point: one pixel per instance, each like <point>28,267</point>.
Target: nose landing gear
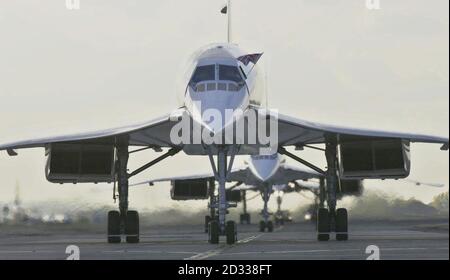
<point>265,223</point>
<point>219,226</point>
<point>245,216</point>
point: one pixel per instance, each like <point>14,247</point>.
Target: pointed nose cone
<point>216,110</point>
<point>263,168</point>
<point>217,113</point>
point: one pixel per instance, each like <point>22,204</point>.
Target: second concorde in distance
<point>223,90</point>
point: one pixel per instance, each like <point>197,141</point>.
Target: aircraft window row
<point>210,86</point>
<point>221,86</point>
<point>208,73</point>
<point>201,87</point>
<point>260,157</point>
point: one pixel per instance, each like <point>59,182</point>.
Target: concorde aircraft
<point>223,90</point>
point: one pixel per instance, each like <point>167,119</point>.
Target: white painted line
<point>143,252</point>
<point>327,251</point>
<point>147,252</point>
<point>16,252</point>
<point>401,249</point>
<point>212,253</point>
<point>207,254</point>
<point>290,252</point>
<point>248,239</point>
<point>181,252</point>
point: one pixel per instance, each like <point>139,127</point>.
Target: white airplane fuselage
<point>264,167</point>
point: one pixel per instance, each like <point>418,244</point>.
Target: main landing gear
<point>331,219</point>
<point>124,221</point>
<point>265,223</point>
<point>325,221</point>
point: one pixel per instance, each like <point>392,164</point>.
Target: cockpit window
<point>229,73</point>
<point>204,78</point>
<point>264,157</point>
<point>203,73</point>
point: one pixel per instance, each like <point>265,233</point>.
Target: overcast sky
<point>116,62</point>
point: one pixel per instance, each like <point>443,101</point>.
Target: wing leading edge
<point>297,132</point>
<point>291,132</point>
<point>151,133</point>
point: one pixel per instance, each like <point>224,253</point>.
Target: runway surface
<point>395,240</point>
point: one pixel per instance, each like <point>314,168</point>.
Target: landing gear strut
<point>265,223</point>
<point>331,219</point>
<point>212,210</point>
<point>123,221</point>
<point>245,216</point>
<point>328,219</point>
<point>279,219</point>
<point>221,226</point>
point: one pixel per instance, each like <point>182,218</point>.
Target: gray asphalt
<point>395,240</point>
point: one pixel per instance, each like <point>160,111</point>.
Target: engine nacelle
<point>189,189</point>
<point>80,163</point>
<point>351,188</point>
<point>233,195</point>
<point>374,159</point>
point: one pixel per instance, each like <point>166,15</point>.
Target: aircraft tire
<point>114,227</point>
<point>341,224</point>
<point>213,232</point>
<point>132,227</point>
<point>270,226</point>
<point>247,218</point>
<point>262,226</point>
<point>207,220</point>
<point>231,232</point>
<point>323,224</point>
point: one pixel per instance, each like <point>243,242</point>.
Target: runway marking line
<point>146,252</point>
<point>16,252</point>
<point>248,239</point>
<point>327,250</point>
<point>221,249</point>
<point>207,254</point>
<point>26,251</point>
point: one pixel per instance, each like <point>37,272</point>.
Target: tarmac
<point>402,240</point>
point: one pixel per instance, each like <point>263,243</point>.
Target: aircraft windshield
<point>204,73</point>
<point>229,73</point>
<point>204,78</point>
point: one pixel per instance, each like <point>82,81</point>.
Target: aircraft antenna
<point>266,85</point>
<point>227,10</point>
